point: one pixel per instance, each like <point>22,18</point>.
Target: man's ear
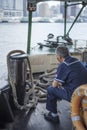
<point>61,57</point>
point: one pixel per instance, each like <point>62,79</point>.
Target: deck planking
<point>34,120</point>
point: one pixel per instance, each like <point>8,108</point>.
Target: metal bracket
<point>31,5</point>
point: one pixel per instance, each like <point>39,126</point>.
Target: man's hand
<point>56,84</point>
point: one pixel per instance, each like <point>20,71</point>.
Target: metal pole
<point>29,31</point>
<point>65,17</point>
<point>75,19</point>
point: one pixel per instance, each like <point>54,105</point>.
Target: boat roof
<point>63,0</point>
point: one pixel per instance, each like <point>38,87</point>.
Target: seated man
<point>70,75</point>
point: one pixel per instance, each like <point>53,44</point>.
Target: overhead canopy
<point>62,0</point>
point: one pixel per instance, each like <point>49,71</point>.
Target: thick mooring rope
<point>43,82</point>
<point>39,86</point>
<point>27,105</point>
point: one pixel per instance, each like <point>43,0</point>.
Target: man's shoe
<point>49,117</point>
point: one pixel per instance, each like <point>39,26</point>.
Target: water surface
<point>14,36</point>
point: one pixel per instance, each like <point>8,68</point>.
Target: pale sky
<point>53,3</point>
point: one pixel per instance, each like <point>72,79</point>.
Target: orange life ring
<point>79,105</point>
<point>84,110</point>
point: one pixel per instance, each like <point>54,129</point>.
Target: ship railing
<point>80,44</point>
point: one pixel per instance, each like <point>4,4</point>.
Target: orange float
<point>79,107</point>
<point>84,110</point>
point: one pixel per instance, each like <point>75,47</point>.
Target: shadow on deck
<point>34,120</point>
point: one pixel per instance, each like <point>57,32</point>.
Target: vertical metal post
<point>65,17</point>
<point>29,31</point>
<point>76,19</point>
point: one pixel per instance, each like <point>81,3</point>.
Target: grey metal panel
<point>62,0</point>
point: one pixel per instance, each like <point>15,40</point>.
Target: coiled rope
<point>27,105</point>
<point>39,86</point>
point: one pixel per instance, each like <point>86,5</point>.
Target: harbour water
<point>14,36</point>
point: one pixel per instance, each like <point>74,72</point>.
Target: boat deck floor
<point>34,120</point>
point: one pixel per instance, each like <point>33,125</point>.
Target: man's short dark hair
<point>62,51</point>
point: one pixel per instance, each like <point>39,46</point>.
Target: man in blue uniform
<point>70,75</point>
